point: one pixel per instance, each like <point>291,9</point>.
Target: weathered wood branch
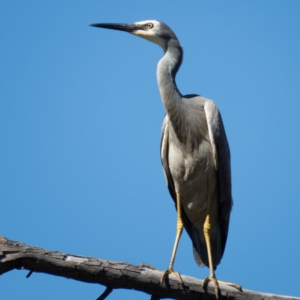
<point>16,255</point>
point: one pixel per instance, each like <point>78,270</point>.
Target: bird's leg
<point>212,277</point>
<point>179,229</point>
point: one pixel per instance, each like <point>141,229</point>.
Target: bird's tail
<point>200,249</point>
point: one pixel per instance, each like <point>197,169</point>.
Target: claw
<point>216,283</point>
<point>234,285</point>
<point>169,271</point>
<point>143,265</point>
<point>165,273</point>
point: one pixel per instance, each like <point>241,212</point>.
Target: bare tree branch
<point>112,274</point>
<point>105,294</point>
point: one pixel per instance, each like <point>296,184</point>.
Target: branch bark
<point>112,274</point>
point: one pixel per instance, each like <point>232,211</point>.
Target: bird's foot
<point>166,272</point>
<point>143,265</point>
<point>216,283</point>
<point>170,271</point>
<point>234,285</point>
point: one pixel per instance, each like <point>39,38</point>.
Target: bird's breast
<point>194,175</point>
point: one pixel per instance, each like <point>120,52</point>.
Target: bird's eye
<point>149,25</point>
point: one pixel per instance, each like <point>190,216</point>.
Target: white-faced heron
<point>195,155</point>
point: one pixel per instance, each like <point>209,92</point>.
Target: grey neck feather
<point>171,97</point>
<point>185,123</point>
<point>166,72</point>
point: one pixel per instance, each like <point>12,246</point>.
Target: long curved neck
<point>166,72</point>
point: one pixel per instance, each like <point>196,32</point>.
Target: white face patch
<point>154,22</point>
<point>148,33</point>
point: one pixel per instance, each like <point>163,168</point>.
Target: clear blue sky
<point>80,120</point>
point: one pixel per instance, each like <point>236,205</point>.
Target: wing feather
<point>222,163</point>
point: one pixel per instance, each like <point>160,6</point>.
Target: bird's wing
<point>222,162</point>
<point>164,152</point>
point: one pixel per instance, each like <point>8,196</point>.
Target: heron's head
<point>151,30</point>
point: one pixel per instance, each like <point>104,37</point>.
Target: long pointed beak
<point>122,27</point>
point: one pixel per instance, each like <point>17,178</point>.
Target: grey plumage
<point>194,152</point>
<point>197,178</point>
<point>193,135</point>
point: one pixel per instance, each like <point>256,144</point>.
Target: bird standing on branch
<point>195,156</point>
